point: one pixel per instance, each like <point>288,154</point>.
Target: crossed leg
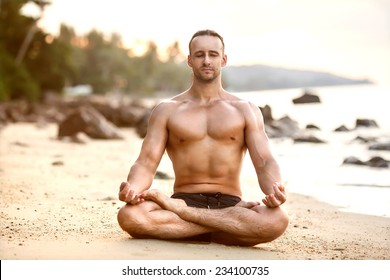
<point>245,224</point>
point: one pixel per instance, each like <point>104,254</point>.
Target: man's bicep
<point>155,140</point>
<point>259,148</point>
<point>254,130</point>
<point>256,138</point>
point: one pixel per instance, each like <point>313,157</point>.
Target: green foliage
<point>105,64</point>
<point>49,63</point>
<point>21,76</point>
<point>15,81</point>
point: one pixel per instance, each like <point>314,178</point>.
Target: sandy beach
<point>59,201</point>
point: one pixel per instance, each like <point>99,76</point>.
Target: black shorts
<point>208,200</point>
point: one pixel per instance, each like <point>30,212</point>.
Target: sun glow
<point>348,38</point>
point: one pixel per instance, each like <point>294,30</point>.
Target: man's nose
<point>206,60</point>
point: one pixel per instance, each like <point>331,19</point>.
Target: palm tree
<point>30,34</point>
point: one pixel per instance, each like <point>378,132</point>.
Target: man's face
<point>206,57</point>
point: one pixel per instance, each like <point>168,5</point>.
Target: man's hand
<point>277,198</point>
<point>126,194</point>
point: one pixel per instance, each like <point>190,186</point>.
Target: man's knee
<point>132,220</point>
<point>273,226</point>
<point>282,222</point>
<point>278,224</point>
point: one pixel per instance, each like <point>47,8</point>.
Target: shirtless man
<point>206,132</point>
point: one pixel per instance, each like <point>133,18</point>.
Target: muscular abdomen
<point>206,146</point>
<point>207,165</point>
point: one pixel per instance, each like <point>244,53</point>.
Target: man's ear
<point>189,62</point>
<point>224,60</point>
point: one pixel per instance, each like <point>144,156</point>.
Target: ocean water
<point>316,169</point>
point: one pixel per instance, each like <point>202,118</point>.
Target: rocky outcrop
<point>312,126</point>
<point>307,97</point>
<point>89,121</point>
<point>385,146</point>
<point>376,161</point>
<point>342,128</point>
<point>266,111</point>
<point>308,139</point>
<point>284,127</point>
<point>366,123</point>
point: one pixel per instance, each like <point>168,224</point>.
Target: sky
<point>350,38</point>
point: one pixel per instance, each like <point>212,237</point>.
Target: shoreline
<point>59,202</point>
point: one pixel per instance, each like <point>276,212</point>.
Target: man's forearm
<point>268,175</point>
<point>140,177</point>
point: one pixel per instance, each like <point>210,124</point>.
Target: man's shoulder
<point>240,103</point>
<point>248,109</point>
<point>167,106</point>
<point>169,103</point>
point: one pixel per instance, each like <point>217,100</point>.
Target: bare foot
<point>164,201</point>
<point>247,204</point>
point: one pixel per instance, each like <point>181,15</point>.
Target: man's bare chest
<point>198,122</point>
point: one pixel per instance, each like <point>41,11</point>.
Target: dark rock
<point>110,112</point>
<point>284,127</point>
<point>161,175</point>
<point>108,198</point>
<point>312,126</point>
<point>266,111</point>
<point>131,115</point>
<point>307,139</point>
<point>353,160</point>
<point>378,162</point>
<point>380,146</point>
<point>366,123</point>
<point>342,128</point>
<point>364,139</point>
<point>307,97</point>
<point>91,122</point>
<point>122,116</point>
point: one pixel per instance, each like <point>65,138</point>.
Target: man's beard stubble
<point>206,78</point>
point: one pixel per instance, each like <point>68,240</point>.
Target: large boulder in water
<point>284,127</point>
<point>308,139</point>
<point>385,146</point>
<point>307,97</point>
<point>266,111</point>
<point>376,161</point>
<point>366,123</point>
